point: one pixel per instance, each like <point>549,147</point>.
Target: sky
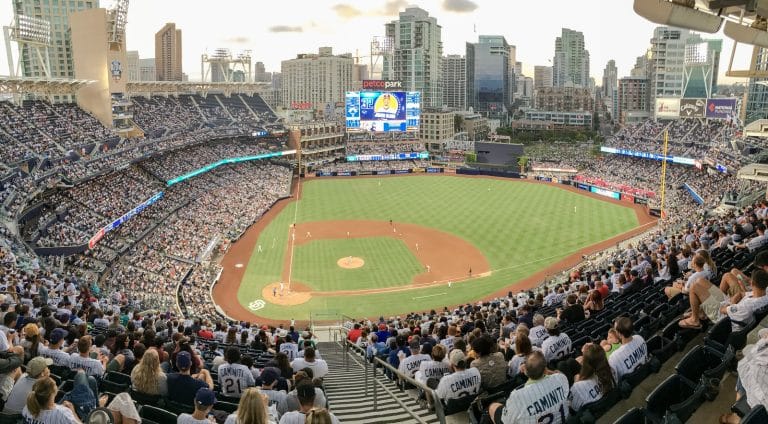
<point>278,30</point>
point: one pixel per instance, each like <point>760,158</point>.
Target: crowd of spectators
<point>383,148</point>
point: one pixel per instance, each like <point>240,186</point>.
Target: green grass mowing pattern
<point>520,227</point>
<point>388,263</point>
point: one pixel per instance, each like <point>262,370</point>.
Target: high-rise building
<point>666,57</point>
<point>60,51</point>
<point>168,53</point>
<point>132,65</point>
<point>564,99</point>
<point>260,73</point>
<point>455,82</point>
<point>632,99</point>
<point>610,82</point>
<point>416,55</point>
<point>700,67</point>
<point>488,76</point>
<point>542,76</point>
<point>147,69</point>
<point>570,66</point>
<point>756,102</point>
<point>315,80</point>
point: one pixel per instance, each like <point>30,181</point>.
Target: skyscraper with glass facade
<point>488,76</point>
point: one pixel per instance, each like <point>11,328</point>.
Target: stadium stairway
<point>345,389</point>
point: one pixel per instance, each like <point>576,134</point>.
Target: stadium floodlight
<point>31,30</point>
<point>678,13</point>
<point>118,17</point>
<point>755,35</point>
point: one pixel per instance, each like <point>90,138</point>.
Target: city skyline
<point>303,26</point>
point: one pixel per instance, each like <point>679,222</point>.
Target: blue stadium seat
<point>676,396</point>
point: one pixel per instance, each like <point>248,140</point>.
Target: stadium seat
<point>228,407</point>
<point>6,418</point>
<point>590,412</point>
<point>144,398</point>
<point>661,348</point>
<point>157,415</point>
<point>756,415</point>
<point>704,362</point>
<point>177,407</point>
<point>628,382</point>
<point>633,416</point>
<point>677,396</point>
<point>717,335</point>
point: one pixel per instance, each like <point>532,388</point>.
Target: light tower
<point>224,65</point>
<point>32,35</point>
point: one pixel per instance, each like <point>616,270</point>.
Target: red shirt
<point>354,334</point>
<point>206,334</point>
<point>604,292</point>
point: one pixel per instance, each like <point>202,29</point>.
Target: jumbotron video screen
<point>383,111</point>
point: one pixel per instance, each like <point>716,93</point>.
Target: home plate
<point>238,265</point>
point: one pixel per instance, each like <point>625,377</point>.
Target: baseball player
<point>234,377</point>
<point>557,345</point>
<point>633,351</point>
<point>259,249</point>
<point>462,382</point>
<point>543,399</point>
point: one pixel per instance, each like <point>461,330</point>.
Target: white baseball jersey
<point>753,373</point>
<point>234,379</point>
<point>541,401</point>
<point>92,367</point>
<point>59,357</point>
<point>410,365</point>
<point>58,415</point>
<point>459,384</point>
<point>291,350</point>
<point>537,335</point>
<point>432,369</point>
<point>628,357</point>
<point>584,392</point>
<point>556,347</point>
<point>744,311</point>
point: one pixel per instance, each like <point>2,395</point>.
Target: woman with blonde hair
<point>147,377</point>
<point>252,409</point>
<point>41,406</point>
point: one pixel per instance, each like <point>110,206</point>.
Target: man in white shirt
<point>53,351</point>
<point>318,366</point>
<point>234,377</point>
<point>558,345</point>
<point>543,399</point>
<point>633,351</point>
<point>538,333</point>
<point>37,368</point>
<point>290,348</point>
<point>82,359</point>
<point>461,382</point>
<point>744,311</point>
<point>204,400</point>
<point>410,365</point>
<point>305,391</point>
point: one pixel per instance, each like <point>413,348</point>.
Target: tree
<point>470,157</point>
<point>522,161</point>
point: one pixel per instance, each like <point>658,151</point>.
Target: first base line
<point>429,295</point>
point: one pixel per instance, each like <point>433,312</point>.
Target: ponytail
<point>38,398</point>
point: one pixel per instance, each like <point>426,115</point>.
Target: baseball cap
<point>37,365</point>
<point>457,356</point>
<point>183,360</point>
<point>205,397</point>
<point>58,334</point>
<point>550,323</point>
<point>269,375</point>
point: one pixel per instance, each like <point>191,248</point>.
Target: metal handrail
<point>436,401</point>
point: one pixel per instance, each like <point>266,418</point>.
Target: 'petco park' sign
<point>382,85</point>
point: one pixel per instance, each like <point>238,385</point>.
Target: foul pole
<point>664,173</point>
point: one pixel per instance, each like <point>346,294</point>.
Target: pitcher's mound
<point>350,262</point>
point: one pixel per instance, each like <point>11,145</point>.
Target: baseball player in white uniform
<point>633,351</point>
<point>557,345</point>
<point>543,399</point>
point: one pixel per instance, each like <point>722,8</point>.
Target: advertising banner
<point>692,108</point>
<point>721,108</point>
<point>382,85</point>
<point>667,107</point>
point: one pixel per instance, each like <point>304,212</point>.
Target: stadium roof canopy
<point>189,87</point>
<point>41,86</point>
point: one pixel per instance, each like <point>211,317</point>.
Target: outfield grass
<point>520,227</point>
<point>388,263</point>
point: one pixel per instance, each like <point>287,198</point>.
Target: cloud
<point>237,40</point>
<point>459,6</point>
<point>285,28</point>
<point>393,7</point>
<point>346,11</point>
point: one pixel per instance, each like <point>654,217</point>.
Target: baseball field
<point>387,246</point>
